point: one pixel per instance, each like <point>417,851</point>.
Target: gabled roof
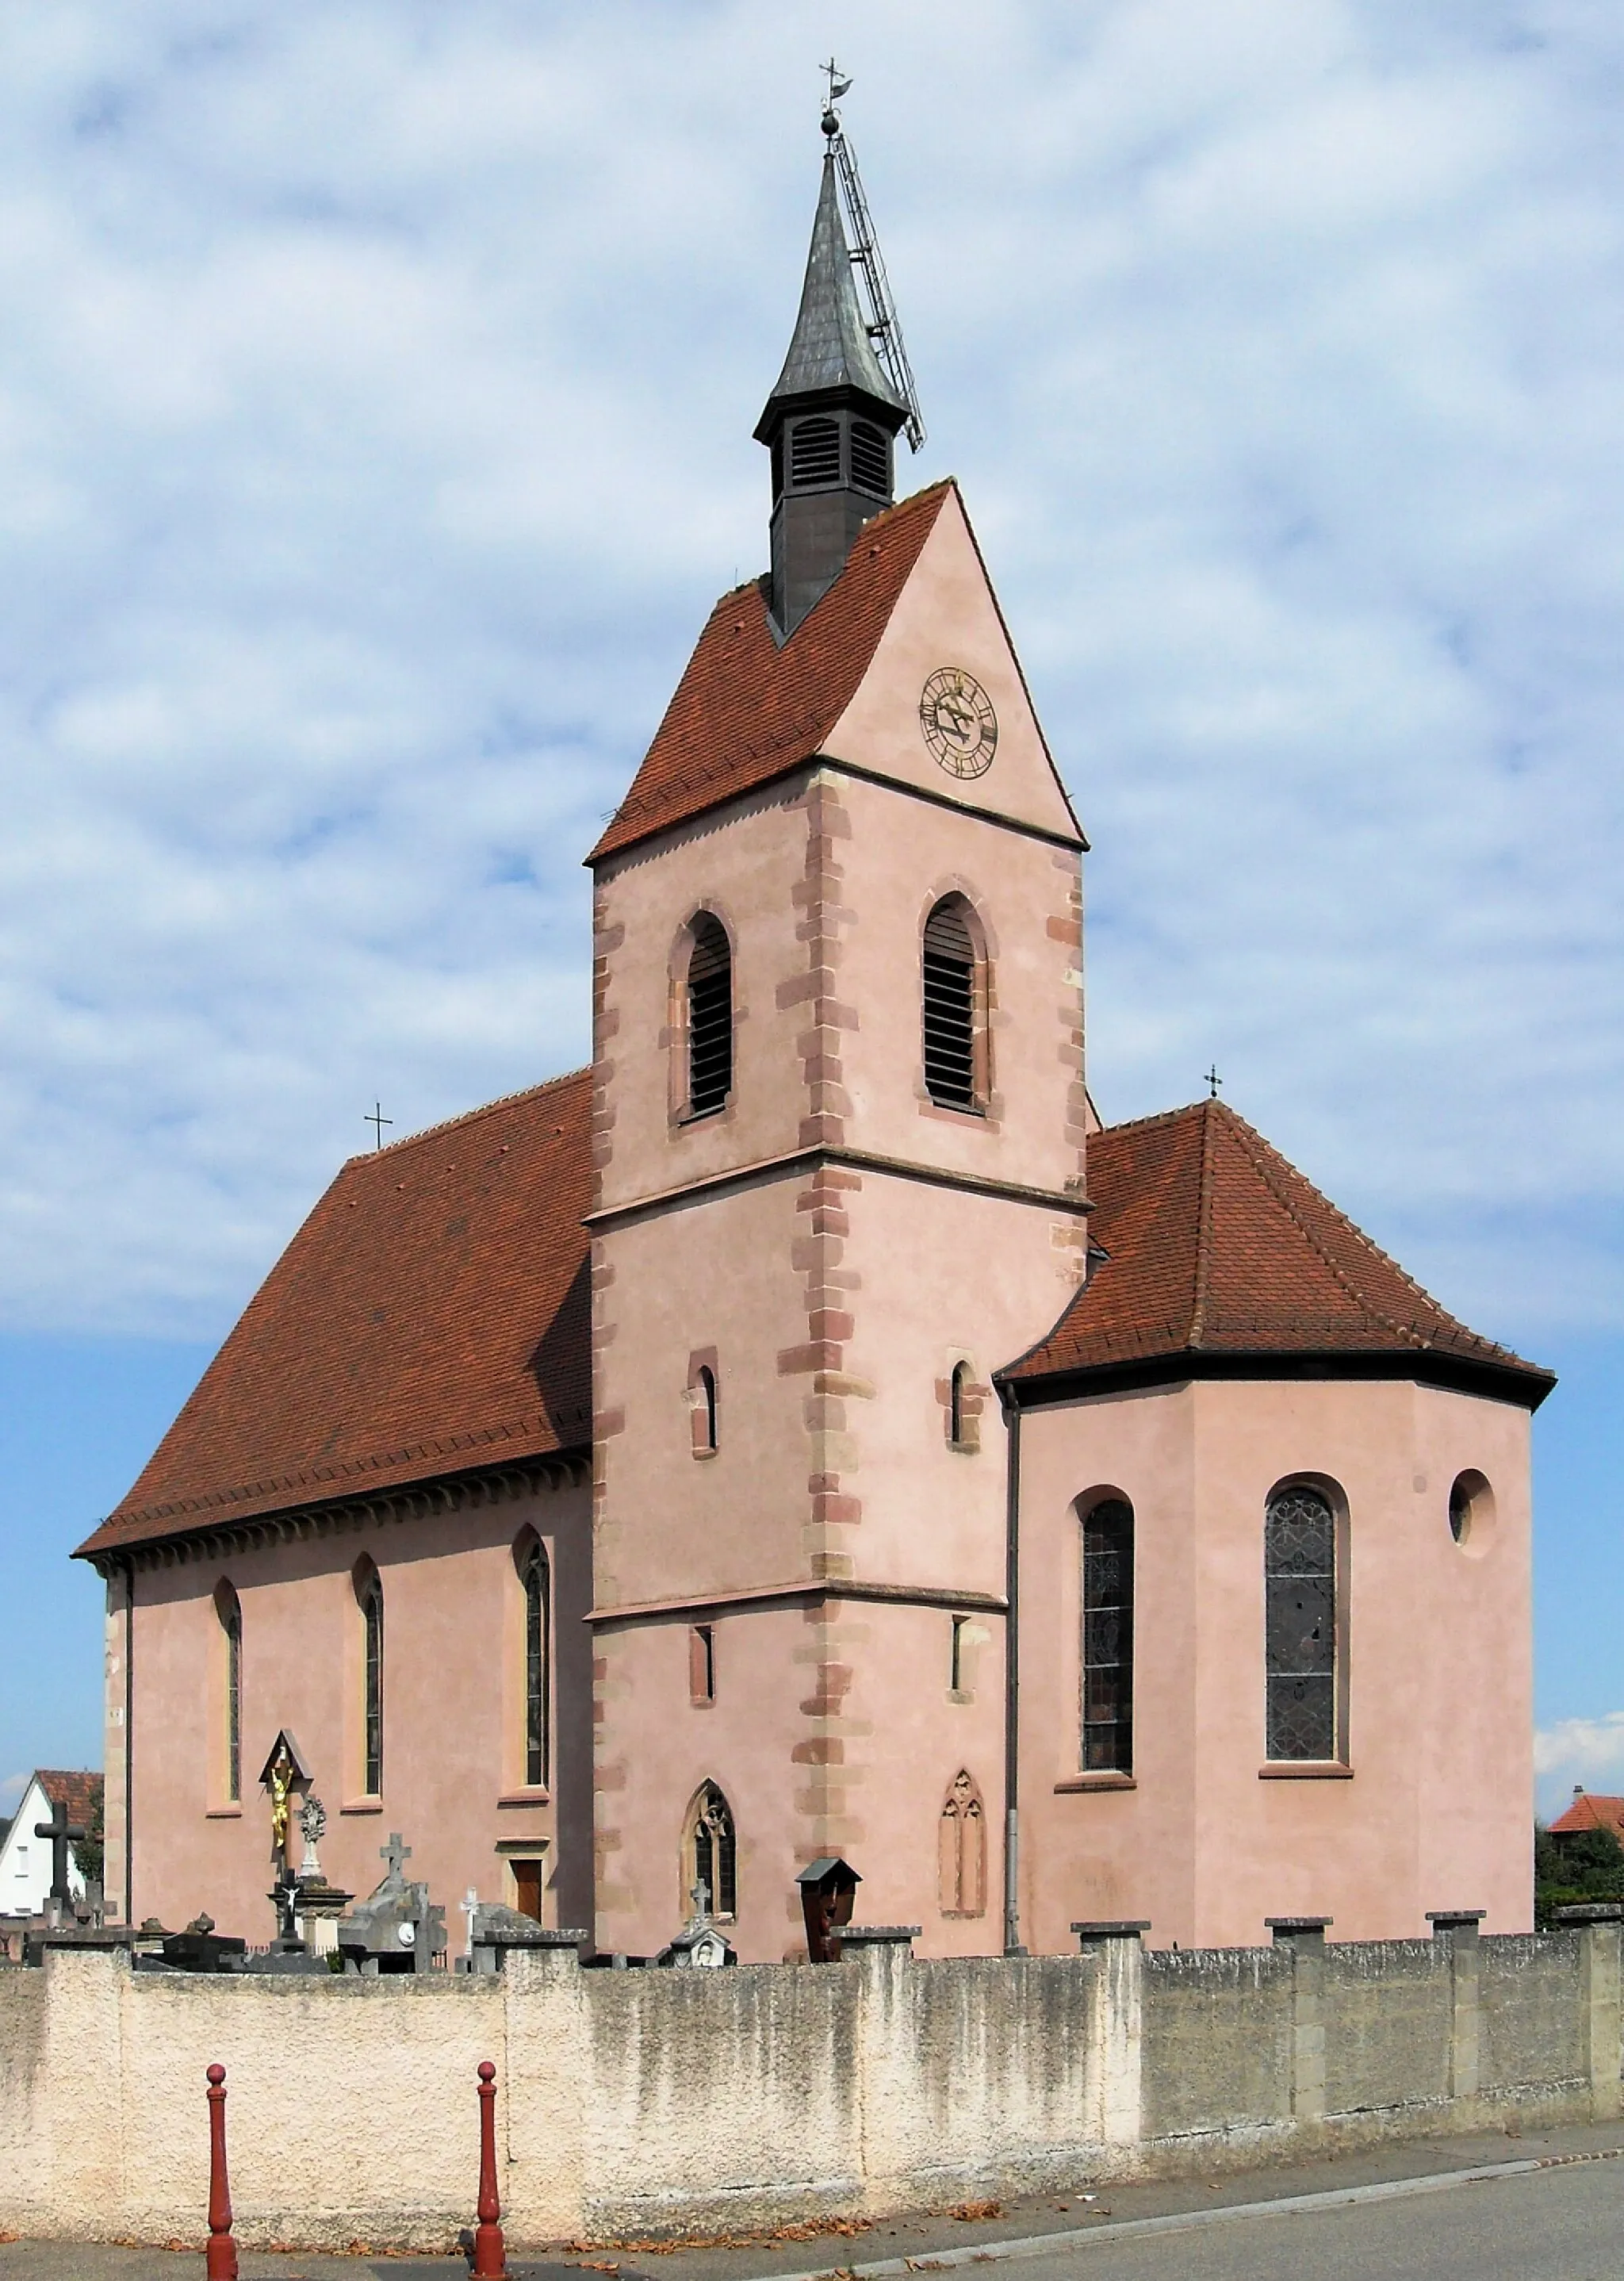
<point>80,1791</point>
<point>830,347</point>
<point>1215,1247</point>
<point>747,708</point>
<point>431,1316</point>
<point>1590,1812</point>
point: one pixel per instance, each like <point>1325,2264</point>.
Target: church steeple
<point>830,421</point>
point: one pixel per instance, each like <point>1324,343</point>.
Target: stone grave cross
<point>61,1832</point>
<point>699,1894</point>
<point>395,1853</point>
<point>470,1905</point>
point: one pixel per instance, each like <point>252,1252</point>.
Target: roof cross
<point>61,1832</point>
<point>377,1120</point>
<point>395,1853</point>
<point>837,85</point>
<point>1212,1081</point>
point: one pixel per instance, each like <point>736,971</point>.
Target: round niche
<point>1472,1513</point>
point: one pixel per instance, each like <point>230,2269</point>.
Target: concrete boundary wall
<point>657,2103</point>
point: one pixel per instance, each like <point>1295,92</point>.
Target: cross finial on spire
<point>838,87</point>
<point>1213,1082</point>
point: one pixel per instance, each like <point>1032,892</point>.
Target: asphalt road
<point>1389,2212</point>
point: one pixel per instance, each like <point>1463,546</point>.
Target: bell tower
<point>830,421</point>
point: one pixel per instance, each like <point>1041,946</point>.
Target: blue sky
<point>375,390</point>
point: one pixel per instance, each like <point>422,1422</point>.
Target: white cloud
<point>1573,1753</point>
<point>375,403</point>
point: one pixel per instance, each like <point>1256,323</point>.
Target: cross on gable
<point>61,1832</point>
<point>395,1853</point>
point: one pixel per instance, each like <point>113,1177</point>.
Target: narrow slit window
<point>710,1018</point>
<point>1107,1638</point>
<point>707,1407</point>
<point>702,1664</point>
<point>1300,1553</point>
<point>955,1663</point>
<point>372,1622</point>
<point>537,1657</point>
<point>231,1625</point>
<point>949,964</point>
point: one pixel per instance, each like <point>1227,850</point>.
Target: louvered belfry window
<point>949,1008</point>
<point>1107,1638</point>
<point>1300,1539</point>
<point>871,459</point>
<point>815,454</point>
<point>710,1018</point>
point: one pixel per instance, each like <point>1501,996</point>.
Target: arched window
<point>710,1853</point>
<point>710,1017</point>
<point>369,1597</point>
<point>949,966</point>
<point>1300,1646</point>
<point>230,1612</point>
<point>1107,1637</point>
<point>536,1576</point>
<point>961,1855</point>
<point>963,1409</point>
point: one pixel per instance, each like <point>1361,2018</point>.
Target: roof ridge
<point>467,1117</point>
<point>1203,1229</point>
<point>1152,1116</point>
<point>1351,1227</point>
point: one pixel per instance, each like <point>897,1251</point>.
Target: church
<point>807,1432</point>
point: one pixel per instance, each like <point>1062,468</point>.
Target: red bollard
<point>489,2251</point>
<point>220,2264</point>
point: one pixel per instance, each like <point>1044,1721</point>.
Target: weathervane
<point>881,319</point>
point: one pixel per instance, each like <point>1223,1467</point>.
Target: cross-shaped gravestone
<point>61,1832</point>
<point>699,1894</point>
<point>470,1908</point>
<point>395,1853</point>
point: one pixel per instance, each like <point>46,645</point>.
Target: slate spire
<point>830,423</point>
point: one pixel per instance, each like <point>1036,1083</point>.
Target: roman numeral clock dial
<point>959,724</point>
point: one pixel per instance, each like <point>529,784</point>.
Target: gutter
<point>1012,1674</point>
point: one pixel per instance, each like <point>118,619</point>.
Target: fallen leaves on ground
<point>973,2213</point>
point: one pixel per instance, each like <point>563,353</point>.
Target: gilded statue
<point>281,1787</point>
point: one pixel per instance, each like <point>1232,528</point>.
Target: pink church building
<point>807,1432</point>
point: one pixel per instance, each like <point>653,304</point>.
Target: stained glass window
<point>1301,1625</point>
<point>1107,1637</point>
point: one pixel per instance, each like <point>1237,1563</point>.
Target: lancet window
<point>369,1592</point>
<point>536,1576</point>
<point>709,1016</point>
<point>960,1858</point>
<point>231,1611</point>
<point>950,995</point>
<point>710,1855</point>
<point>1301,1641</point>
<point>1107,1637</point>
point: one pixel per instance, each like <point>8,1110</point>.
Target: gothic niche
<point>961,1855</point>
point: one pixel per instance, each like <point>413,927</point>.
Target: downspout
<point>1012,1674</point>
<point>129,1740</point>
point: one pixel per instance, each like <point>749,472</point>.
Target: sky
<point>375,394</point>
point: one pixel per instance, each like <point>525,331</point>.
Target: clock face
<point>959,724</point>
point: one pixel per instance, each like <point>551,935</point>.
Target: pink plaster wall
<point>452,1713</point>
<point>1436,1814</point>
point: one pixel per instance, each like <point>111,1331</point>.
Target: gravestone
<point>397,1927</point>
<point>699,1945</point>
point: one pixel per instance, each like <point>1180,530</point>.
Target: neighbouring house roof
<point>749,707</point>
<point>80,1792</point>
<point>431,1316</point>
<point>1215,1248</point>
<point>1590,1812</point>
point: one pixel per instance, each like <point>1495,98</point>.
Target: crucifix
<point>395,1853</point>
<point>1213,1082</point>
<point>61,1832</point>
<point>377,1120</point>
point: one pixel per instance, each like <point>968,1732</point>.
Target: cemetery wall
<point>647,2103</point>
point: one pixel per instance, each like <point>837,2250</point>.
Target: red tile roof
<point>1589,1811</point>
<point>1215,1245</point>
<point>431,1316</point>
<point>747,709</point>
<point>79,1793</point>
